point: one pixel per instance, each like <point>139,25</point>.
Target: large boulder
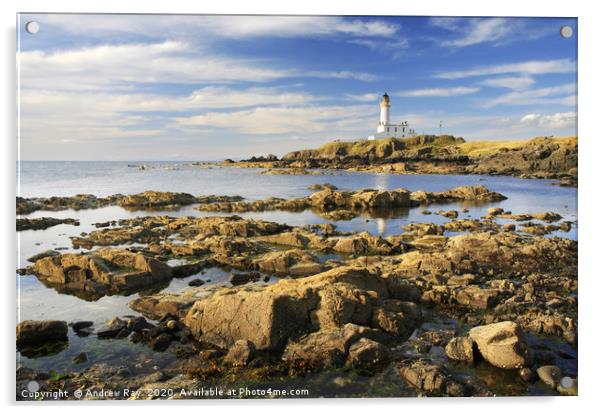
<point>502,344</point>
<point>34,332</point>
<point>269,315</point>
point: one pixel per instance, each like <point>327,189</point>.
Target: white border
<point>589,185</point>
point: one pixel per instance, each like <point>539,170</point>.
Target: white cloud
<point>533,67</point>
<point>475,31</point>
<point>220,26</point>
<point>366,97</point>
<point>517,82</point>
<point>281,120</point>
<point>560,95</point>
<point>494,30</point>
<point>118,66</point>
<point>438,92</point>
<point>561,120</point>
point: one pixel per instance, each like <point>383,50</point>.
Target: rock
<point>196,282</point>
<point>268,315</point>
<point>81,325</point>
<point>116,323</point>
<point>322,187</point>
<point>110,333</point>
<point>34,332</point>
<point>397,318</point>
<point>139,324</point>
<point>549,375</point>
<point>502,344</point>
<point>161,342</point>
<point>240,354</point>
<point>295,263</point>
<point>449,214</point>
<point>42,255</point>
<point>102,270</point>
<point>42,223</point>
<point>430,378</point>
<point>328,347</point>
<point>460,349</point>
<point>477,297</point>
<point>80,358</point>
<point>155,199</point>
<point>527,374</point>
<point>238,279</point>
<point>366,353</point>
<point>495,211</point>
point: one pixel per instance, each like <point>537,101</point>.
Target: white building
<point>387,130</point>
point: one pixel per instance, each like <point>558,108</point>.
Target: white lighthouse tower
<point>385,104</point>
<point>387,130</point>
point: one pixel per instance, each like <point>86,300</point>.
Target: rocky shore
<point>470,307</point>
<point>554,158</point>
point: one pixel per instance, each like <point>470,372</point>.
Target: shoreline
<point>402,301</point>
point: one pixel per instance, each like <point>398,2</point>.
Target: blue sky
<point>151,87</point>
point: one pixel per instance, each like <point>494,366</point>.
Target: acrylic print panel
<point>296,206</point>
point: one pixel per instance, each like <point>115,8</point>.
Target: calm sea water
<point>44,179</point>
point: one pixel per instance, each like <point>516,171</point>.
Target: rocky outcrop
<point>77,202</point>
<point>538,158</point>
<point>289,308</point>
<point>476,193</point>
<point>102,271</point>
<point>154,199</point>
<point>42,223</point>
<point>35,332</point>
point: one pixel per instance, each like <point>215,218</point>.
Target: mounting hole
<point>566,32</point>
<point>32,27</point>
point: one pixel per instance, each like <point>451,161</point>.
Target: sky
<point>173,87</point>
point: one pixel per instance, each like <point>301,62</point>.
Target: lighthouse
<point>385,128</point>
<point>385,104</point>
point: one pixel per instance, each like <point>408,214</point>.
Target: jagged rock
<point>33,332</point>
<point>41,223</point>
<point>366,353</point>
<point>329,347</point>
<point>477,297</point>
<point>502,344</point>
<point>460,349</point>
<point>431,379</point>
<point>42,255</point>
<point>241,278</point>
<point>397,318</point>
<point>81,325</point>
<point>105,269</point>
<point>156,199</point>
<point>286,309</point>
<point>240,354</point>
<point>293,262</point>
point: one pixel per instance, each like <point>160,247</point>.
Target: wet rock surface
<point>302,302</point>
